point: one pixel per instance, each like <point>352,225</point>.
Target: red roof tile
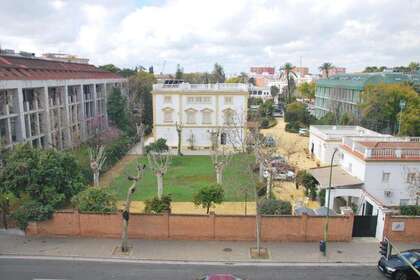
<point>391,145</point>
<point>21,68</point>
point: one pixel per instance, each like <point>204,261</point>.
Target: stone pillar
<point>83,115</point>
<point>68,138</point>
<point>21,132</point>
<point>47,123</point>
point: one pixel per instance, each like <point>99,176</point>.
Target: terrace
<point>201,87</point>
<point>383,148</point>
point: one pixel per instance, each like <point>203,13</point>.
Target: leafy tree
<point>307,90</point>
<point>110,68</point>
<point>275,207</point>
<point>140,97</point>
<point>414,66</point>
<point>347,119</point>
<point>326,68</point>
<point>179,72</point>
<point>117,109</point>
<point>380,109</point>
<point>97,200</point>
<point>233,80</point>
<point>298,113</point>
<point>288,73</point>
<point>329,118</point>
<point>208,196</point>
<point>266,109</point>
<point>196,78</point>
<point>410,210</point>
<point>373,69</point>
<point>252,81</point>
<point>157,205</point>
<point>158,146</point>
<point>274,91</point>
<point>322,196</point>
<point>47,176</point>
<point>218,74</point>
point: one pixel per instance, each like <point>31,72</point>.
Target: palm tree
<point>288,73</point>
<point>326,67</point>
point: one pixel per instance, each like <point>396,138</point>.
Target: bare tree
<point>159,163</point>
<point>140,133</point>
<point>97,158</point>
<point>126,213</point>
<point>179,126</point>
<point>220,155</point>
<point>237,134</point>
<point>264,154</point>
<point>191,140</point>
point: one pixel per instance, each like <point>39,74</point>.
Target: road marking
<point>46,279</point>
<point>176,262</point>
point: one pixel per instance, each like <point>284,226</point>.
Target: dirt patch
<point>115,171</point>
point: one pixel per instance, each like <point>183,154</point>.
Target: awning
<point>340,177</point>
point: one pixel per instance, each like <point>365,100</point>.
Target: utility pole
<point>328,204</point>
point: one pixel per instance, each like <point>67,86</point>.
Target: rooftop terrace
<point>383,148</point>
<point>337,132</point>
<point>201,87</point>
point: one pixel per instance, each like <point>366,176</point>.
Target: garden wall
<point>197,227</point>
<point>402,228</point>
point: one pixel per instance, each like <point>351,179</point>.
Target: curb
<point>183,262</point>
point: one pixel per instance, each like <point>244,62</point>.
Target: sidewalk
<point>359,251</point>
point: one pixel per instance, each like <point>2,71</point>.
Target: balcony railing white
<point>202,87</point>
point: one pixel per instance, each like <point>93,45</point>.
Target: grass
<point>185,176</point>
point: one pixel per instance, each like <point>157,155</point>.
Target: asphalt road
<point>30,269</point>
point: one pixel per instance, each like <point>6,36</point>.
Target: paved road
<point>29,269</point>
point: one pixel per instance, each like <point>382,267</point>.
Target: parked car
<point>220,277</point>
<point>277,113</point>
<point>303,132</point>
<point>397,269</point>
<point>269,141</point>
<point>278,159</point>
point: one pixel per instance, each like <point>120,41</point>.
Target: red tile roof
<point>22,68</point>
<point>390,145</point>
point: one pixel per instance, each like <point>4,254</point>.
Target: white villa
<point>260,92</point>
<point>323,139</point>
<point>200,109</point>
<point>375,175</point>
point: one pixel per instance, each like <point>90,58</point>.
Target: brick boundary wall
<point>194,227</point>
<point>410,233</point>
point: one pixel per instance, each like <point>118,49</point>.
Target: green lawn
<point>186,175</point>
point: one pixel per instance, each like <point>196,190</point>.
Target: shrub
<point>95,200</point>
<point>265,123</point>
<point>275,207</point>
<point>209,196</point>
<point>158,146</point>
<point>31,211</point>
<point>410,210</point>
<point>157,205</point>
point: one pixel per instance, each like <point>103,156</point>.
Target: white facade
<point>323,139</point>
<point>263,93</point>
<point>200,109</point>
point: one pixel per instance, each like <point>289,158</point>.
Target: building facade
<point>323,139</point>
<point>375,176</point>
<point>333,71</point>
<point>200,109</point>
<point>263,93</point>
<point>341,93</point>
<point>52,104</point>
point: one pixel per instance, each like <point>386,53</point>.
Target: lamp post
<point>402,106</point>
<point>328,204</point>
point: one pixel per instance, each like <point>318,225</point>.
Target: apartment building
<point>200,108</point>
<point>341,93</point>
<point>51,103</point>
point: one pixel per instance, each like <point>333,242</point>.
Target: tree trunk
<point>141,150</point>
<point>208,208</point>
<point>159,178</point>
<point>126,214</point>
<point>96,178</point>
<point>179,142</point>
<point>268,191</point>
<point>261,175</point>
<point>219,175</point>
<point>258,230</point>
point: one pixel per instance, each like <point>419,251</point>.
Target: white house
<point>323,139</point>
<point>200,108</point>
<point>375,175</point>
<point>263,93</point>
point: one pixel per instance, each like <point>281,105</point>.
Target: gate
<point>364,226</point>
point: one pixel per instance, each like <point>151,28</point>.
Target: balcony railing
<point>202,87</point>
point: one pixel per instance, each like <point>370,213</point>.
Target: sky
<point>235,33</point>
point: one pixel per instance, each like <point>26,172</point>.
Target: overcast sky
<point>236,33</point>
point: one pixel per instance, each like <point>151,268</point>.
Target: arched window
<point>228,116</point>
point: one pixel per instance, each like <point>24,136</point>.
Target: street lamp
<point>402,106</point>
<point>328,205</point>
